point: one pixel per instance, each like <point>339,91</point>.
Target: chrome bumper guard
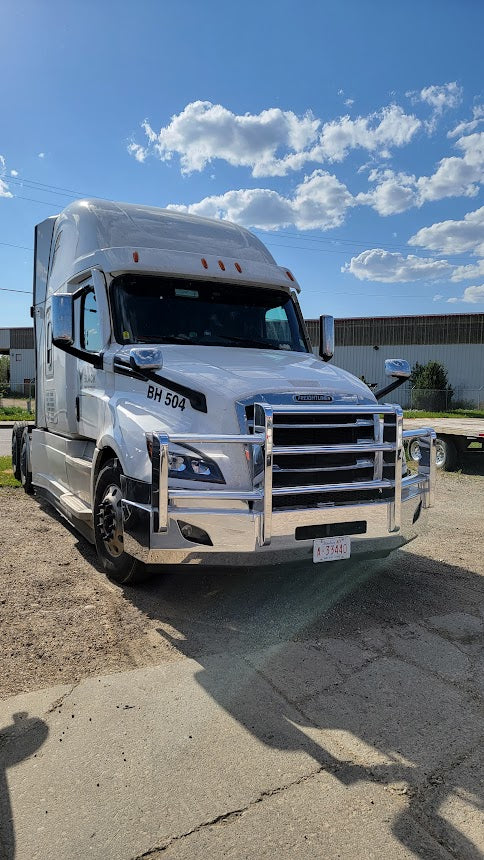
<point>422,483</point>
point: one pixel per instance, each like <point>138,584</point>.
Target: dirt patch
<point>61,619</point>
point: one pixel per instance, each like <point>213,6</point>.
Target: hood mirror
<point>398,368</point>
<point>62,320</point>
<point>146,358</point>
<point>326,337</point>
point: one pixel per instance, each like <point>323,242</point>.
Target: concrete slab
<point>130,760</point>
<point>385,717</point>
<point>318,818</point>
<point>431,652</point>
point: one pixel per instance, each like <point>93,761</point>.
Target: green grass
<point>457,413</point>
<point>6,476</point>
<point>15,413</point>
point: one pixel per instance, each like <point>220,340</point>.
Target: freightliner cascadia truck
<point>181,414</point>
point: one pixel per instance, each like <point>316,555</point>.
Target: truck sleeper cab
<point>181,415</point>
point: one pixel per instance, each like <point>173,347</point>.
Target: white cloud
<point>454,237</point>
<point>464,127</point>
<point>437,298</point>
<point>439,98</point>
<point>273,142</point>
<point>319,202</point>
<point>391,268</point>
<point>394,192</point>
<point>455,176</point>
<point>41,154</point>
<point>204,131</point>
<point>139,152</point>
<point>349,102</point>
<point>471,295</point>
<point>14,173</point>
<point>442,97</point>
<point>4,192</point>
<point>465,273</point>
<point>390,126</point>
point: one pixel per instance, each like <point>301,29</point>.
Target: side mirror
<point>398,368</point>
<point>326,337</point>
<point>146,358</point>
<point>62,320</point>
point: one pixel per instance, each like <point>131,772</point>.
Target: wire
<point>10,290</point>
<point>11,245</point>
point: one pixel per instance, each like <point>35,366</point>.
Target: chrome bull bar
<point>263,436</point>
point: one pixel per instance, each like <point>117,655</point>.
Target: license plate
<point>331,549</point>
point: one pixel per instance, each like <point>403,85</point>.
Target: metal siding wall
<point>23,369</point>
<point>22,338</point>
<point>4,338</point>
<point>464,362</point>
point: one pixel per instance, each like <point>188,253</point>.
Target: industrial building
<point>18,343</point>
<point>454,340</point>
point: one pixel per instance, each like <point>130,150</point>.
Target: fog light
<point>194,534</point>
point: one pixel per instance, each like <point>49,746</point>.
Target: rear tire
<point>446,454</point>
<point>108,528</point>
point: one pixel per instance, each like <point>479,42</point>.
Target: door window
<point>91,335</point>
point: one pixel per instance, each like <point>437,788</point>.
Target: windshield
<point>151,309</point>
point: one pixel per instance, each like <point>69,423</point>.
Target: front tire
<point>108,528</point>
<point>25,473</point>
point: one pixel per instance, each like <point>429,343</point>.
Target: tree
<point>431,389</point>
<point>4,369</point>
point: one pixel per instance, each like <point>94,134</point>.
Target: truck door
<point>93,337</point>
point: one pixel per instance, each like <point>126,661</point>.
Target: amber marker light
<point>135,256</point>
<point>222,266</point>
<point>238,267</point>
<point>204,263</point>
<point>289,275</point>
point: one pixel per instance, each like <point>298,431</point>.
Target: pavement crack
<point>226,817</point>
<point>61,699</point>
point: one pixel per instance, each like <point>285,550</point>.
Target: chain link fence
<point>18,395</point>
<point>432,400</point>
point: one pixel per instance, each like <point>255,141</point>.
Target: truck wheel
<point>108,528</point>
<point>413,450</point>
<point>25,474</point>
<point>18,429</point>
<point>446,456</point>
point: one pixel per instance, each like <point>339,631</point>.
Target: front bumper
<point>242,525</point>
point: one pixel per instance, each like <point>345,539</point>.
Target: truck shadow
<point>340,663</point>
<point>18,741</point>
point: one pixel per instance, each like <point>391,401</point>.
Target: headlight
<point>193,468</point>
<point>190,467</point>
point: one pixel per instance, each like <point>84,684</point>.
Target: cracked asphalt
<point>308,711</point>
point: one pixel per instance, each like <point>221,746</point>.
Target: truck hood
<point>238,373</point>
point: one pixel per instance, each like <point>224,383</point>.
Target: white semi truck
<point>181,416</point>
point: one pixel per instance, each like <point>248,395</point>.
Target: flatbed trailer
<point>454,436</point>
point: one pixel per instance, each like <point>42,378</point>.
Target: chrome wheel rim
<point>414,450</point>
<point>110,521</point>
<point>439,454</point>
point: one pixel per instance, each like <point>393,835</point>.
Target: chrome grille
<point>299,464</point>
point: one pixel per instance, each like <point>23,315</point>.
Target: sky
<point>348,135</point>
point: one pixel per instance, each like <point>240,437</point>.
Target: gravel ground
<point>62,620</point>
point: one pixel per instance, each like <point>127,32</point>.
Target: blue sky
<point>349,135</point>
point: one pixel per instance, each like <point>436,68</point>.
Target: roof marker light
<point>204,263</point>
<point>222,265</point>
<point>238,267</point>
<point>135,256</point>
<point>289,275</point>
